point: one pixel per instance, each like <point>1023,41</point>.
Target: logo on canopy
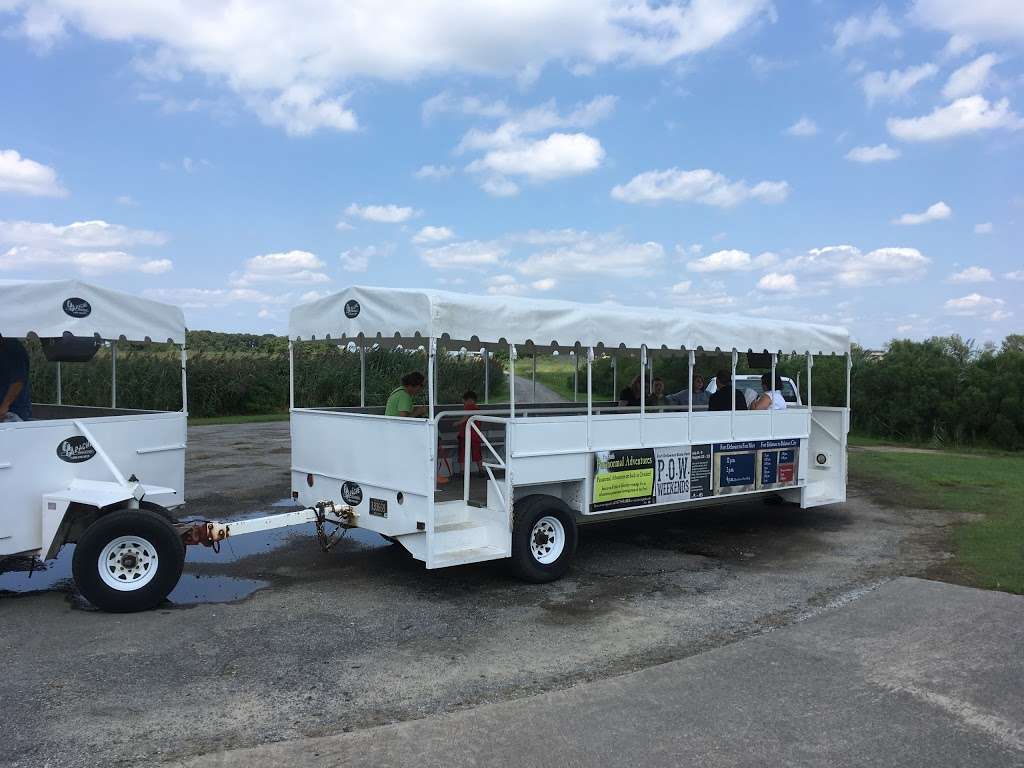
<point>75,450</point>
<point>351,309</point>
<point>76,307</point>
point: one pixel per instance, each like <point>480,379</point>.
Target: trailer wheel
<point>543,539</point>
<point>128,560</point>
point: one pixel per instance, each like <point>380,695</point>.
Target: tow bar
<point>211,533</point>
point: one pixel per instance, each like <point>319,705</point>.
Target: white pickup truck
<point>751,382</point>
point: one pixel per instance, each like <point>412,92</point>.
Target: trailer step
<point>466,556</point>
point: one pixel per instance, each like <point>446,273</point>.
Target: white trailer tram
<point>103,478</point>
<point>550,468</point>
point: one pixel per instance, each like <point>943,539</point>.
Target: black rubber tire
<point>151,526</point>
<point>527,512</point>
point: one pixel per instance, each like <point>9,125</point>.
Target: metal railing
<point>498,462</point>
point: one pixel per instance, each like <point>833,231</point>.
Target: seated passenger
<point>657,395</point>
<point>630,396</point>
<point>725,395</point>
<point>682,397</point>
<point>771,398</point>
<point>400,400</point>
<point>17,403</point>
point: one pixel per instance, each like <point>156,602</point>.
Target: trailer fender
<point>65,514</point>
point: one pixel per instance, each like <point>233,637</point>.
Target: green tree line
<point>944,390</point>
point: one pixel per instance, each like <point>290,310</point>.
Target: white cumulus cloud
<point>697,186</point>
<point>731,260</point>
<point>970,78</point>
<point>382,214</point>
<point>896,83</point>
<point>429,234</point>
<point>358,259</point>
<point>972,22</point>
<point>284,267</point>
<point>936,212</point>
<point>976,305</point>
<point>560,154</point>
<point>776,282</point>
<point>594,254</point>
<point>857,30</point>
<point>969,115</point>
<point>850,266</point>
<point>803,127</point>
<point>294,66</point>
<point>89,247</point>
<point>876,154</point>
<point>22,176</point>
<point>434,172</point>
<point>985,228</point>
<point>972,275</point>
<point>472,254</point>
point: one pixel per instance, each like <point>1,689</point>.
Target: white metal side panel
<point>550,435</point>
<point>614,431</point>
<point>711,426</point>
<point>752,425</point>
<point>792,421</point>
<point>665,428</point>
<point>379,451</point>
<point>548,469</point>
<point>150,446</point>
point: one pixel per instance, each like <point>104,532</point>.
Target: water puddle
<point>194,588</point>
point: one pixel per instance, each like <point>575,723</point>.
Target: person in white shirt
<point>771,398</point>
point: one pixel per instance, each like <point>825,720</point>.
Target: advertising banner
<point>643,476</point>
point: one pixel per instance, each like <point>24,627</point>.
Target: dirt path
<point>525,394</point>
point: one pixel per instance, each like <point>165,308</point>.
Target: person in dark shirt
<point>630,396</point>
<point>16,404</point>
<point>724,396</point>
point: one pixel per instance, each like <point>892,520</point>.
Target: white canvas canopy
<point>53,308</point>
<point>387,313</point>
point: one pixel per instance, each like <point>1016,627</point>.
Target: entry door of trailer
<point>826,457</point>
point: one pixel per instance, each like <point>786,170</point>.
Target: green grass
<point>988,552</point>
<point>247,418</point>
<point>555,373</point>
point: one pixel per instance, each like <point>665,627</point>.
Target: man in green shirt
<point>400,401</point>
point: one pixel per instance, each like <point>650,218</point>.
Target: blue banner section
<point>737,469</point>
<point>757,445</point>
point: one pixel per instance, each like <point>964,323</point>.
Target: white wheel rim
<point>128,563</point>
<point>547,540</point>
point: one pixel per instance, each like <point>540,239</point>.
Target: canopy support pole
<point>291,374</point>
<point>362,375</point>
<point>849,372</point>
<point>810,364</point>
<point>487,374</point>
<point>689,394</point>
<point>58,384</point>
<point>773,383</point>
<point>732,419</point>
<point>511,381</point>
<point>615,377</point>
<point>590,390</point>
<point>643,391</point>
<point>113,373</point>
<point>431,377</point>
<point>184,381</point>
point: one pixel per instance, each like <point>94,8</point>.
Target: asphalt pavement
<point>915,673</point>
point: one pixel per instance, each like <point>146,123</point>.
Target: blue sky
<point>849,163</point>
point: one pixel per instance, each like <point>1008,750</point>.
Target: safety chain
<point>326,540</point>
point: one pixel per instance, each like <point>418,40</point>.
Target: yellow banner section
<point>628,484</point>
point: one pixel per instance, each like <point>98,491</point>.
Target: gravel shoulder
<point>364,636</point>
